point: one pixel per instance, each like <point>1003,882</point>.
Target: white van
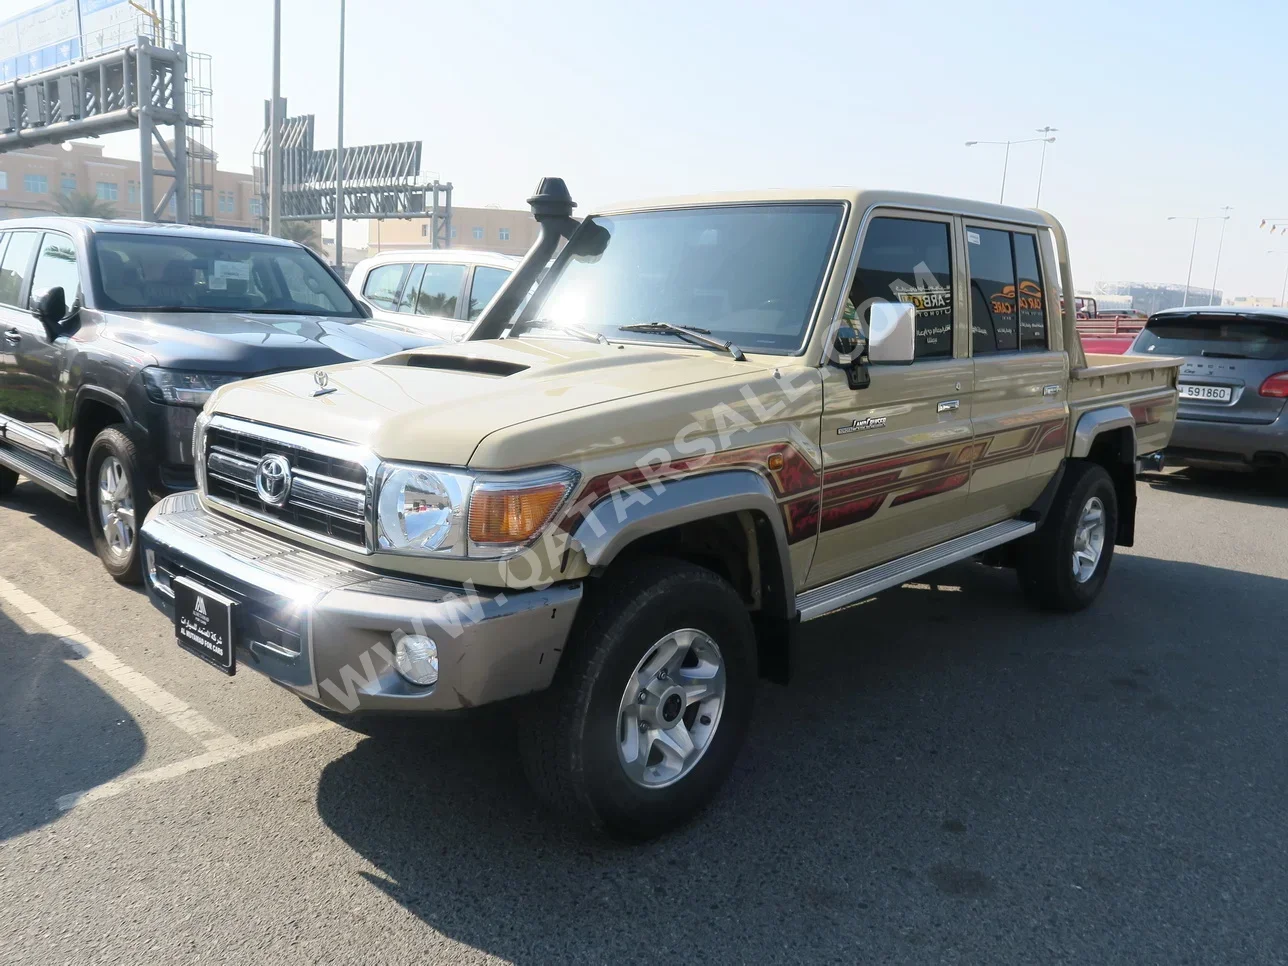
<point>435,292</point>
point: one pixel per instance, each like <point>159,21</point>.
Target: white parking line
<point>142,687</point>
<point>221,745</point>
<point>165,772</point>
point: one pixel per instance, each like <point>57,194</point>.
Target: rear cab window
<point>1007,303</point>
<point>909,260</point>
<point>1216,336</point>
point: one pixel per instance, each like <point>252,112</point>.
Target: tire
<point>8,480</point>
<point>1046,560</point>
<point>122,559</point>
<point>573,737</point>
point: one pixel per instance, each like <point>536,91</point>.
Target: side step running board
<point>38,470</point>
<point>841,593</point>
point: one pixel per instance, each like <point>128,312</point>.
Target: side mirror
<point>892,333</point>
<point>51,308</point>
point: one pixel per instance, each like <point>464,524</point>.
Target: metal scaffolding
<point>380,181</point>
<point>140,86</point>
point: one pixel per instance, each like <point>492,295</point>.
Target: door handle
<point>1050,390</point>
<point>13,337</point>
<point>948,406</point>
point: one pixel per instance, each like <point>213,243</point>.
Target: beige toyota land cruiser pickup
<point>712,419</point>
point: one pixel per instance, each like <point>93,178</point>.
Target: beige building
<point>479,229</point>
<point>1254,302</point>
<point>33,179</point>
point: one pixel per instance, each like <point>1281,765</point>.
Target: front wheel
<point>116,503</point>
<point>650,704</point>
<point>1064,565</point>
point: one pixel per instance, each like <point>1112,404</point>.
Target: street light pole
<point>1219,244</point>
<point>1283,289</point>
<point>339,160</point>
<point>1046,132</point>
<point>1185,298</point>
<point>1006,159</point>
<point>275,129</point>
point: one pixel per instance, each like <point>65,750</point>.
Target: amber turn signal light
<point>513,514</point>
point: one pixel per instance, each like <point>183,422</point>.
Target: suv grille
<point>328,494</point>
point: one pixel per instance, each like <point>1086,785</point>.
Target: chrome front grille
<point>329,481</point>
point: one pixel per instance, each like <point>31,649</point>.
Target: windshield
<point>749,274</point>
<point>192,273</point>
<point>1227,335</point>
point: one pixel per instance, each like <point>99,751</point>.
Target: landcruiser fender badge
<point>868,422</point>
<point>321,378</point>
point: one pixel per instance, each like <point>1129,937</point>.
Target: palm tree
<point>84,205</point>
<point>302,232</point>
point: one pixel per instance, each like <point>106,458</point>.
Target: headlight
<point>426,510</point>
<point>423,510</point>
<point>174,387</point>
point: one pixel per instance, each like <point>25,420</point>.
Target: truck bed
<point>1143,385</point>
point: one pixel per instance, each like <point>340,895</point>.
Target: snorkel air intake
<point>552,207</point>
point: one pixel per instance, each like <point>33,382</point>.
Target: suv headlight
<point>439,512</point>
<point>175,387</point>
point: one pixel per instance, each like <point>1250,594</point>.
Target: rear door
<point>896,455</point>
<point>1020,409</point>
<point>1228,357</point>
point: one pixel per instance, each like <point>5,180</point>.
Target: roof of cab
<point>120,226</point>
<point>859,198</point>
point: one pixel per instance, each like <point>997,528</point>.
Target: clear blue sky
<point>1164,108</point>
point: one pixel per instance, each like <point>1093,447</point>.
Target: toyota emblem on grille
<point>273,480</point>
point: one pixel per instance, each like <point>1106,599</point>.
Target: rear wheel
<point>116,503</point>
<point>8,480</point>
<point>650,704</point>
<point>1065,564</point>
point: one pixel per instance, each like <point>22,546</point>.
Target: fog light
<point>416,658</point>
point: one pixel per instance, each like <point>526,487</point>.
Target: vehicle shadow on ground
<point>950,773</point>
<point>59,731</point>
<point>50,510</point>
<point>1254,489</point>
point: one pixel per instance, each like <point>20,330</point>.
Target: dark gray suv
<point>1233,385</point>
<point>113,335</point>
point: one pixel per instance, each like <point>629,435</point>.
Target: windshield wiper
<point>574,330</point>
<point>689,333</point>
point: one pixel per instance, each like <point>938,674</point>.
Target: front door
<point>1021,412</point>
<point>897,454</point>
<point>29,391</point>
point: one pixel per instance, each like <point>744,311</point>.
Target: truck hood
<point>436,405</point>
<point>249,343</point>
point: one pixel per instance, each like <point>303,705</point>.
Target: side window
<point>56,268</point>
<point>382,285</point>
<point>1033,332</point>
<point>910,260</point>
<point>17,260</point>
<point>486,283</point>
<point>439,290</point>
<point>408,300</point>
<point>992,291</point>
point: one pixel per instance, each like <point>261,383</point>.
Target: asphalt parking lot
<point>951,777</point>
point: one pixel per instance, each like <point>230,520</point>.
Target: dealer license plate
<point>203,623</point>
<point>1206,393</point>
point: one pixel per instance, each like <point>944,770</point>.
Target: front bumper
<point>1204,442</point>
<point>325,628</point>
